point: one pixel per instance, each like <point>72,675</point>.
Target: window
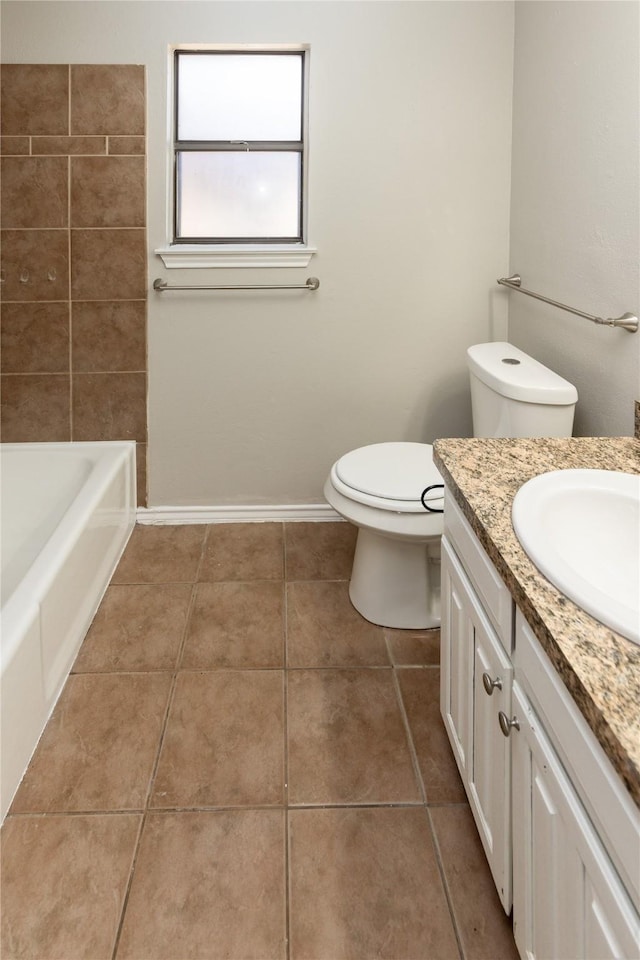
<point>239,151</point>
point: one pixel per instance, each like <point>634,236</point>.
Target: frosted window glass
<point>231,195</point>
<point>239,97</point>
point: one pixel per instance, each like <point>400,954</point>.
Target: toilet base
<point>396,583</point>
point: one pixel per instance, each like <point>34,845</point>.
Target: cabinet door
<point>456,660</point>
<point>471,649</point>
<point>490,781</point>
<point>567,898</point>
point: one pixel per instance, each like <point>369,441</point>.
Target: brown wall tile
<point>141,473</point>
<point>107,192</point>
<point>34,99</point>
<point>102,332</point>
<point>126,145</point>
<point>107,99</point>
<point>34,191</point>
<point>109,336</point>
<point>35,408</point>
<point>107,264</point>
<point>35,337</point>
<point>37,252</point>
<point>15,146</point>
<point>68,146</point>
<point>109,406</point>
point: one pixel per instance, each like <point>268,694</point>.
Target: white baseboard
<point>237,513</point>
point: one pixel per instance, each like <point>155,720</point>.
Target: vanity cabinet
<point>567,898</point>
<point>476,676</point>
<point>560,831</point>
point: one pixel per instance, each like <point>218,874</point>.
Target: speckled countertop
<point>600,668</point>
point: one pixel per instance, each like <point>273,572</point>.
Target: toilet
<point>393,492</point>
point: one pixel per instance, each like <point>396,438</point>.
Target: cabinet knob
<point>506,724</point>
<point>490,684</point>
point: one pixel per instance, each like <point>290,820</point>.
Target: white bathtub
<point>67,511</point>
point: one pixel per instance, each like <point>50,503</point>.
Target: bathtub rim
<point>18,611</point>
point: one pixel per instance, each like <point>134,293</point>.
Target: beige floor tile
<point>414,648</point>
<point>324,629</point>
<point>99,747</point>
<point>421,697</point>
<point>63,885</point>
<point>137,627</point>
<point>161,554</point>
<point>319,551</point>
<point>347,742</point>
<point>236,625</point>
<point>484,929</point>
<point>208,885</point>
<point>243,551</point>
<point>364,883</point>
<point>224,742</point>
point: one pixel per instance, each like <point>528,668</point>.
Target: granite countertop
<point>600,668</point>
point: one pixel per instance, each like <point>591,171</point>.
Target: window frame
<point>179,147</point>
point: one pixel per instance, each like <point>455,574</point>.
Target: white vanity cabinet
<point>576,831</point>
<point>560,831</point>
<point>568,901</point>
<point>476,675</point>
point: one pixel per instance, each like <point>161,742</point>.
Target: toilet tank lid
<point>516,375</point>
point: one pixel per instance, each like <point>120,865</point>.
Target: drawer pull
<point>489,684</point>
<point>506,724</point>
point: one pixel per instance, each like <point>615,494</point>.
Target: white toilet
<point>382,488</point>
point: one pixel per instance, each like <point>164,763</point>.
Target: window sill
<point>195,256</point>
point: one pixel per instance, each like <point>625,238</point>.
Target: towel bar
<point>627,321</point>
<point>311,283</point>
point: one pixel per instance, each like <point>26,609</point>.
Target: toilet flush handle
<point>434,486</point>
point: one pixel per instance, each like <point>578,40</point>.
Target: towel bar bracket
<point>628,321</point>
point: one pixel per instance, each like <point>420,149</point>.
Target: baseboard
<point>237,513</point>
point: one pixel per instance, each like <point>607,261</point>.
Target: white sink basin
<point>581,528</point>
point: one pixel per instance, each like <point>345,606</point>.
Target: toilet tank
<point>512,395</point>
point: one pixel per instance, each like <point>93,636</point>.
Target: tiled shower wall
<point>73,358</point>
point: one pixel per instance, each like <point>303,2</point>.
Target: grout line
<point>416,666</point>
<point>69,100</point>
<point>70,311</point>
<point>360,805</point>
<point>203,550</point>
<point>221,808</point>
<point>287,882</point>
<point>285,659</point>
<point>127,892</point>
<point>152,779</point>
<point>407,729</point>
<point>445,884</point>
<point>45,814</point>
<point>285,552</point>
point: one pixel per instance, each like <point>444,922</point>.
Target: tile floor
<point>241,767</point>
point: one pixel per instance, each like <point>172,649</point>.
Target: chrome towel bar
<point>311,283</point>
<point>627,321</point>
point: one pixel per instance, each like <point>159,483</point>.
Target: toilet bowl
<point>395,581</point>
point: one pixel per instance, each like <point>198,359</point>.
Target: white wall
<point>252,396</point>
<point>575,199</point>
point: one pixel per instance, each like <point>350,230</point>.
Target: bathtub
<point>67,511</point>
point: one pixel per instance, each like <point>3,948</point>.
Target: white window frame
<point>206,255</point>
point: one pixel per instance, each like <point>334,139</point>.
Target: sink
<point>581,528</point>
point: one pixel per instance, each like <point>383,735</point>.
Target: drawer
<point>492,591</point>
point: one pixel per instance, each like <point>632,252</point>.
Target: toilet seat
<point>389,476</point>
